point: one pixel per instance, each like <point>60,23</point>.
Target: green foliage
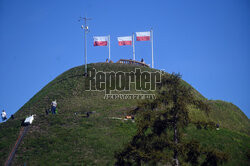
<point>204,125</point>
<point>160,129</point>
<point>214,158</point>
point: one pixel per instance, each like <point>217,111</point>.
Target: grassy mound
<point>69,138</point>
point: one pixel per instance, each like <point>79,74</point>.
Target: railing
<point>22,133</point>
<point>127,61</point>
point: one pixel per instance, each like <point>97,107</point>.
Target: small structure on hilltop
<point>129,61</point>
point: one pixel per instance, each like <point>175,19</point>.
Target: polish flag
<point>126,40</point>
<point>143,36</point>
<point>101,40</point>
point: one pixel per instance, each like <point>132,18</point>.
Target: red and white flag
<point>101,40</point>
<point>143,36</point>
<point>126,40</point>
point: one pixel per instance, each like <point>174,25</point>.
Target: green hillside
<point>69,138</point>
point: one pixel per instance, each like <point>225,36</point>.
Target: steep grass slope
<point>69,138</point>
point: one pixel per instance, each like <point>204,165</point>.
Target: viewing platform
<point>127,61</point>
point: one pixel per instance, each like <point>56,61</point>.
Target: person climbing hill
<point>4,115</point>
<point>53,107</point>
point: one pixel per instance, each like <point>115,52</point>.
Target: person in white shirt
<point>4,115</point>
<point>53,107</point>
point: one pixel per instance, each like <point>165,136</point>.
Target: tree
<point>160,125</point>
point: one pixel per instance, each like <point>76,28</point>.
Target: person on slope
<point>53,107</point>
<point>4,115</point>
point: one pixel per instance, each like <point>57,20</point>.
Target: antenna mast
<point>86,30</point>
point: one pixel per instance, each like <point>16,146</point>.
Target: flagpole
<point>133,46</point>
<point>86,30</point>
<point>109,47</point>
<point>85,45</point>
<point>152,41</point>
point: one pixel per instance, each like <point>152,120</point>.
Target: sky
<point>207,41</point>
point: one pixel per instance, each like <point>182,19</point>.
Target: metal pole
<point>86,30</point>
<point>152,41</point>
<point>133,46</point>
<point>109,47</point>
<point>85,44</point>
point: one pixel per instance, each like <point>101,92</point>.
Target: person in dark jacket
<point>12,116</point>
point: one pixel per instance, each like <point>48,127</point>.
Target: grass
<point>233,143</point>
<point>87,141</point>
<point>71,139</point>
